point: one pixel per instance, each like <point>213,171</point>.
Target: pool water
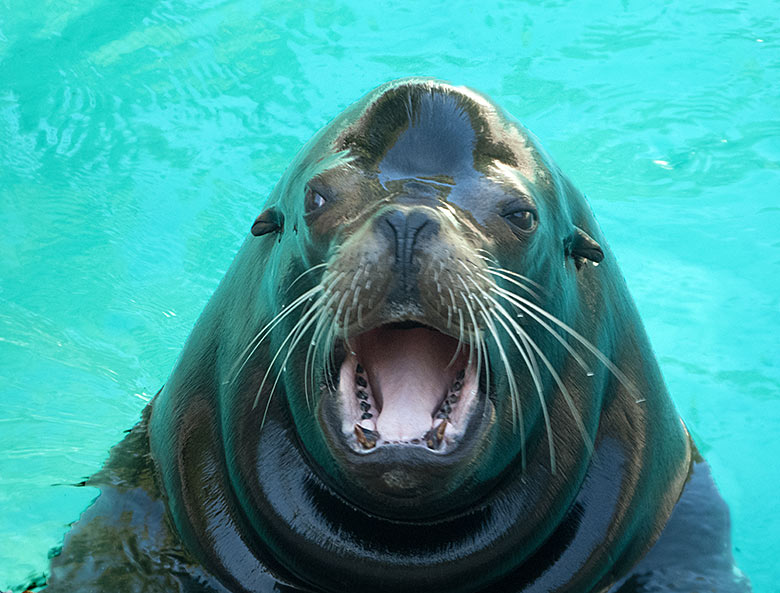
<point>138,140</point>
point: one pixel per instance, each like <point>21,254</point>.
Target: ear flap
<point>270,221</point>
<point>581,246</point>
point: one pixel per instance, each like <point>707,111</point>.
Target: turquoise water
<point>138,140</point>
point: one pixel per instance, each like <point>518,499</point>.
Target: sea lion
<point>422,372</point>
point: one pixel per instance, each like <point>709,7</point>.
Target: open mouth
<point>406,384</point>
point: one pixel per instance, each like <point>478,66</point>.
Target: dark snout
<point>408,230</point>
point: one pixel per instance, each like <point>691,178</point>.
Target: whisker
<point>356,277</point>
<point>494,272</point>
<point>317,311</point>
<point>528,341</point>
<point>525,304</point>
<point>299,333</point>
<point>515,399</point>
<point>485,350</point>
<point>308,372</point>
<point>314,347</point>
<point>337,316</point>
<point>574,354</point>
<point>472,335</point>
<point>486,255</point>
<point>518,276</point>
<point>302,274</point>
<point>505,274</point>
<point>266,330</point>
<point>564,391</point>
<point>322,341</point>
<point>460,331</point>
<point>322,320</point>
<point>355,296</point>
<point>450,308</point>
<point>476,329</point>
<point>533,368</point>
<point>330,340</point>
<point>530,362</point>
<point>308,314</point>
<point>514,392</point>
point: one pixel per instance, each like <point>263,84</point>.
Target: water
<point>139,139</point>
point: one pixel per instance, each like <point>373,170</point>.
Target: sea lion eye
<point>524,220</point>
<point>314,200</point>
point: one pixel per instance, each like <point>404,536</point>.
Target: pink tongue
<point>408,376</point>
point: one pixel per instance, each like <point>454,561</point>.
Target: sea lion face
<point>425,237</point>
<point>410,376</point>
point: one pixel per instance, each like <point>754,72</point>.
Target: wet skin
<point>422,372</point>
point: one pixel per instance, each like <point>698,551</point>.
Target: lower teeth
<point>367,438</point>
<point>435,436</point>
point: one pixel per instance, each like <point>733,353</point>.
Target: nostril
<point>415,222</point>
<point>396,220</point>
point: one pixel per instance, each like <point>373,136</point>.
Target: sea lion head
<point>404,374</point>
<point>414,240</point>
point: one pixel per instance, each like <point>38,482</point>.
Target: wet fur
<point>587,473</point>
